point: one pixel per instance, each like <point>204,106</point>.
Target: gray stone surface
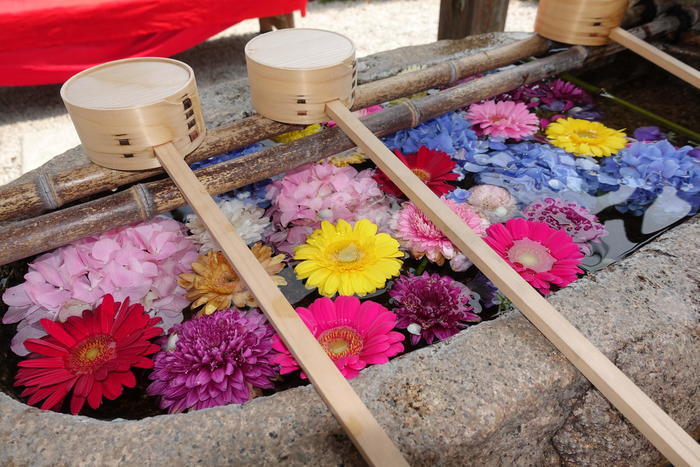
<point>495,394</point>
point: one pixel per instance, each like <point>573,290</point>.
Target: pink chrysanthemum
<point>421,237</point>
<point>141,261</point>
<point>308,195</point>
<point>542,255</point>
<point>353,334</point>
<point>493,202</point>
<point>432,167</point>
<point>507,119</point>
<point>580,223</point>
<point>216,360</point>
<point>431,306</point>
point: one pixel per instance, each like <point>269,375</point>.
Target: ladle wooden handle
<point>656,56</point>
<point>669,438</point>
<point>341,399</point>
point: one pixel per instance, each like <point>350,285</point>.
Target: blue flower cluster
<point>527,167</point>
<point>227,156</point>
<point>649,167</point>
<point>448,133</point>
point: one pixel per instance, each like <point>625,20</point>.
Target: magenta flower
<point>506,119</point>
<point>353,334</point>
<point>580,223</point>
<point>140,262</point>
<point>542,255</point>
<point>431,306</point>
<point>421,237</point>
<point>308,195</point>
<point>217,360</point>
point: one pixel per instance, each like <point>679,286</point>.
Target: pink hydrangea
<point>306,196</point>
<point>421,237</point>
<point>140,262</point>
<point>507,119</point>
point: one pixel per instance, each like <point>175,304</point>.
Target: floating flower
<point>297,134</point>
<point>347,259</point>
<point>649,167</point>
<point>248,219</point>
<point>580,223</point>
<point>493,202</point>
<point>90,356</point>
<point>216,285</point>
<point>140,261</point>
<point>584,138</point>
<point>542,255</point>
<point>216,360</point>
<point>235,154</point>
<point>349,157</point>
<point>447,133</point>
<point>434,168</point>
<point>648,134</point>
<point>421,237</point>
<point>353,334</point>
<point>316,192</point>
<point>431,306</point>
<point>505,119</point>
<point>526,168</point>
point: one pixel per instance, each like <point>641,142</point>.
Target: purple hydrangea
<point>527,168</point>
<point>580,223</point>
<point>648,134</point>
<point>216,360</point>
<point>431,306</point>
<point>649,167</point>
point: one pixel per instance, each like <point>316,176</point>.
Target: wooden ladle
<point>142,113</point>
<point>597,22</point>
<point>309,76</point>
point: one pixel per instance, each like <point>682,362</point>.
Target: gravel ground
<point>34,125</point>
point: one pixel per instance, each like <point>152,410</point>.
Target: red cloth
<point>48,41</point>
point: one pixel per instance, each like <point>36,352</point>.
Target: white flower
<point>248,219</point>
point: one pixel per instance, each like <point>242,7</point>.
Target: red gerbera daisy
<point>542,255</point>
<point>433,167</point>
<point>89,355</point>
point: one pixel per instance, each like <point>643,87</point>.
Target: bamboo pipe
<point>48,191</point>
<point>655,424</point>
<point>143,201</point>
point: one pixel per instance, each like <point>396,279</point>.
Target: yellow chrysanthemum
<point>296,134</point>
<point>585,138</point>
<point>352,156</point>
<point>347,260</point>
<point>216,285</point>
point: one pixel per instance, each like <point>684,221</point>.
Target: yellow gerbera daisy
<point>585,138</point>
<point>296,134</point>
<point>352,156</point>
<point>216,285</point>
<point>347,260</point>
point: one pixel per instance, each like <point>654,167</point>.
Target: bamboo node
<point>47,191</point>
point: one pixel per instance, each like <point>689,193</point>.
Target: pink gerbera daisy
<point>507,119</point>
<point>421,237</point>
<point>542,255</point>
<point>353,334</point>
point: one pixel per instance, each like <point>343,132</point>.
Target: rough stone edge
<point>496,394</point>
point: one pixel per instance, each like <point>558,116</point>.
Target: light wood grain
<point>582,22</point>
<point>374,444</point>
<point>670,439</point>
<point>656,56</point>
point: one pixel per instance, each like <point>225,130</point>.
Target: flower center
<point>531,254</point>
<point>495,119</point>
<point>348,254</point>
<point>587,134</point>
<point>341,342</point>
<point>424,175</point>
<point>92,353</point>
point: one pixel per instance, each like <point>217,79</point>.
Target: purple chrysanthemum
<point>581,224</point>
<point>217,359</point>
<point>431,306</point>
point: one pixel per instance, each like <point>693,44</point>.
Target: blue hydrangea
<point>529,167</point>
<point>459,195</point>
<point>227,156</point>
<point>649,167</point>
<point>448,133</point>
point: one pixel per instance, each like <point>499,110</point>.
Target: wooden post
<point>460,18</point>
